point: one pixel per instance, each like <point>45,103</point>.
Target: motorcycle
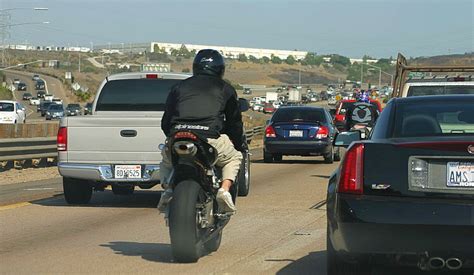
<point>193,216</point>
<point>363,128</point>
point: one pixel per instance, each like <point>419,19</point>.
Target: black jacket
<point>206,105</point>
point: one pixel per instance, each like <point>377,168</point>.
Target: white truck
<point>271,97</point>
<point>442,80</point>
<point>119,144</point>
<point>294,95</point>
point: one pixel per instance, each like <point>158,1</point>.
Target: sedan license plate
<point>460,174</point>
<point>128,171</point>
<point>296,133</point>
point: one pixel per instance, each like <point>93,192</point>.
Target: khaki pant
<point>228,158</point>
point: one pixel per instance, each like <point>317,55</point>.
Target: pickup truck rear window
<point>435,119</point>
<point>135,95</point>
<point>440,90</point>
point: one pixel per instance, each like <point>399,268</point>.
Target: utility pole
<point>79,60</point>
<point>361,74</point>
<point>299,77</point>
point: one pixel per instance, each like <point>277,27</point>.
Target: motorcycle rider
<point>207,105</point>
<point>361,112</point>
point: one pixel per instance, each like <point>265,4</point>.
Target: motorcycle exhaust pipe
<point>453,263</point>
<point>436,263</point>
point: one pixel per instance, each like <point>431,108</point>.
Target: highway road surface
<point>54,87</point>
<point>279,228</point>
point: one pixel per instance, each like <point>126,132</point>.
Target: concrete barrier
<point>29,130</point>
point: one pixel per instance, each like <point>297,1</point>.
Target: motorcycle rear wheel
<point>183,223</point>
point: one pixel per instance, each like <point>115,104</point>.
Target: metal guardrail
<point>19,149</point>
<point>16,149</point>
<point>252,132</point>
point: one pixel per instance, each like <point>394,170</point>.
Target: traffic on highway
<point>181,158</point>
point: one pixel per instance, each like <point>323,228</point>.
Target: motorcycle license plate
<point>460,174</point>
<point>128,171</point>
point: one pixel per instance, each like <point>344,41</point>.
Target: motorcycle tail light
<point>187,135</point>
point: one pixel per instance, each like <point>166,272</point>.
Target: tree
<point>290,60</point>
<point>339,59</point>
<point>265,60</point>
<point>253,59</point>
<point>312,59</point>
<point>275,59</point>
<point>242,57</point>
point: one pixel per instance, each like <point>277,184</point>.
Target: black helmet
<point>209,62</point>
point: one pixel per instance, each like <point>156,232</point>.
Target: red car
<point>268,108</point>
<point>341,108</point>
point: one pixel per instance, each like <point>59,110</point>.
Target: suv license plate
<point>128,171</point>
<point>460,174</point>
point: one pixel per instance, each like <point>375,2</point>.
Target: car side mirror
<point>267,122</point>
<point>344,139</point>
<point>244,105</point>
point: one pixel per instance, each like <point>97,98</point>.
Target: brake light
<point>62,139</point>
<point>187,135</point>
<point>270,131</point>
<point>352,177</point>
<point>323,132</point>
<point>151,76</point>
<point>458,146</point>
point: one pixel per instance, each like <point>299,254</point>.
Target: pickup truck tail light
<point>323,132</point>
<point>270,131</point>
<point>62,139</point>
<point>352,171</point>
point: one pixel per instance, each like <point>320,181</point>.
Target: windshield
<point>135,95</point>
<point>440,90</point>
<point>299,114</point>
<point>73,106</point>
<point>6,107</point>
<point>55,107</point>
<point>435,119</point>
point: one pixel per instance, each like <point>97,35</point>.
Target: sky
<point>379,28</point>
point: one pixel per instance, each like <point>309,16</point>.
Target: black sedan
<point>73,109</point>
<point>406,196</point>
<point>22,86</point>
<point>302,131</point>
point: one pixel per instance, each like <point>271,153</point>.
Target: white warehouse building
<point>232,52</point>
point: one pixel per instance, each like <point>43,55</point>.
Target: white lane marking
<point>38,189</point>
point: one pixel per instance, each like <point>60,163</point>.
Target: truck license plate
<point>128,171</point>
<point>460,174</point>
<point>296,133</point>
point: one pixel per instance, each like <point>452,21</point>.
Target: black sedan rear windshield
<point>135,95</point>
<point>291,114</point>
<point>435,119</point>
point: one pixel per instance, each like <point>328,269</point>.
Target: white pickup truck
<point>119,144</point>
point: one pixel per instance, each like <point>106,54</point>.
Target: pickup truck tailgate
<point>114,140</point>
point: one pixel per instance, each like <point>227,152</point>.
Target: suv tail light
<point>352,171</point>
<point>323,132</point>
<point>152,76</point>
<point>62,139</point>
<point>270,131</point>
